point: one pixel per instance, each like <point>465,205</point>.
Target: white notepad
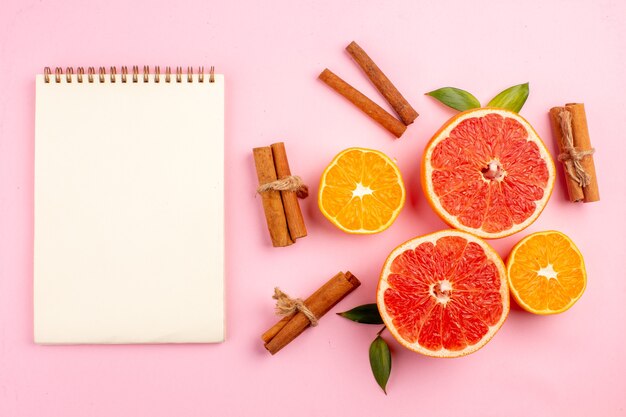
<point>129,220</point>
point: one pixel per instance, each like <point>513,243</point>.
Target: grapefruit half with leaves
<point>486,171</point>
<point>443,294</point>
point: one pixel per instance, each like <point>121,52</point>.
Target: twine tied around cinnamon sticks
<point>279,192</point>
<point>571,156</point>
<point>569,125</point>
<point>286,306</point>
<point>299,315</point>
<point>291,183</point>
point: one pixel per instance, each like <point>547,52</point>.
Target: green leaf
<point>367,314</point>
<point>380,361</point>
<point>456,98</point>
<point>512,98</point>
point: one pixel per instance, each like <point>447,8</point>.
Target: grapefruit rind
<point>511,260</point>
<point>490,253</point>
<point>444,133</point>
<point>361,231</point>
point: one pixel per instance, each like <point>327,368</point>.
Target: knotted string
<point>290,183</point>
<point>286,305</point>
<point>571,156</point>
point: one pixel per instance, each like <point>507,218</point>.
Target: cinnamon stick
<point>574,190</point>
<point>366,105</point>
<point>272,201</point>
<point>402,107</point>
<point>295,221</point>
<point>319,303</point>
<point>578,139</point>
<point>273,331</point>
<point>583,143</point>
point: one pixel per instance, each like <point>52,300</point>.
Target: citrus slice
<point>443,294</point>
<point>361,191</point>
<point>486,171</point>
<point>546,273</point>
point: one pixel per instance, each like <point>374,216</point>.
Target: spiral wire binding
<point>112,74</point>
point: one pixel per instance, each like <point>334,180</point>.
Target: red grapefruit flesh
<point>487,172</point>
<point>443,294</point>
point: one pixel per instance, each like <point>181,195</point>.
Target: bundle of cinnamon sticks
<point>569,125</point>
<point>401,106</point>
<point>317,305</point>
<point>280,191</point>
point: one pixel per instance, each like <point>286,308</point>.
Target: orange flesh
<point>547,273</point>
<point>461,173</point>
<point>444,295</point>
<point>362,191</point>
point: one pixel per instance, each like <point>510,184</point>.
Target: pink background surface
<point>271,52</point>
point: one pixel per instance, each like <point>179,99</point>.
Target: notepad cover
<point>129,200</point>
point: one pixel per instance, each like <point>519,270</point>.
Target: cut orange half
<point>546,273</point>
<point>361,191</point>
<point>443,294</point>
<point>486,171</point>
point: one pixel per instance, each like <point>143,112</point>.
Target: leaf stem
<point>381,330</point>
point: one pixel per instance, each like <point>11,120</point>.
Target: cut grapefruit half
<point>443,294</point>
<point>486,171</point>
